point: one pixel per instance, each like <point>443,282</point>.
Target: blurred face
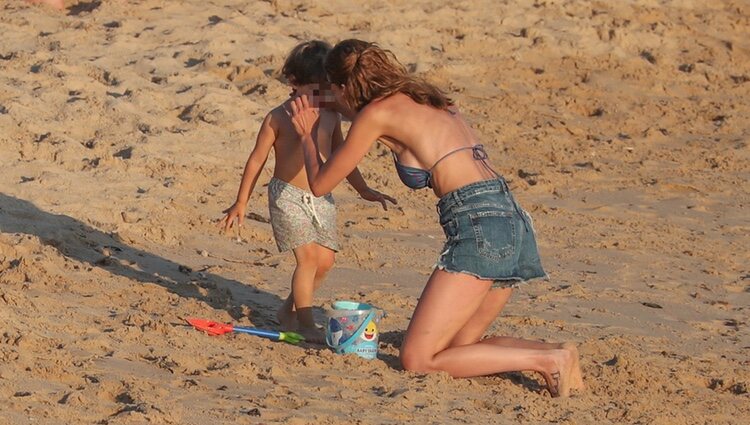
<point>320,95</point>
<point>326,96</point>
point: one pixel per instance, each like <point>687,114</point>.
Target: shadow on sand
<point>83,243</point>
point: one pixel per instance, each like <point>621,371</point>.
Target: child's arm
<point>255,163</point>
<point>355,177</point>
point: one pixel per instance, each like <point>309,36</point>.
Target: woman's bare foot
<point>312,335</point>
<point>57,4</point>
<point>576,377</point>
<point>558,375</point>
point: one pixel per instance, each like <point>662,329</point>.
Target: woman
<point>490,245</point>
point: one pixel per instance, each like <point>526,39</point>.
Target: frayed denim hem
<point>507,282</point>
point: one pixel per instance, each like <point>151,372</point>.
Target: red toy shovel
<point>216,328</point>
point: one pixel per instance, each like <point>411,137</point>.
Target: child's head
<point>306,63</point>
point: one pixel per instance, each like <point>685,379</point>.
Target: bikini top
<point>418,178</point>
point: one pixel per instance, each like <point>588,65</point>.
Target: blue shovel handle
<point>274,335</point>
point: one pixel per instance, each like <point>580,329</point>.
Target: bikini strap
<point>481,155</point>
<point>477,151</point>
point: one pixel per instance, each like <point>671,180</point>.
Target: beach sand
<point>124,126</point>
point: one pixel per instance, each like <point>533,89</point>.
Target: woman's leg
<point>57,4</point>
<point>447,305</point>
<point>474,329</point>
<point>491,307</point>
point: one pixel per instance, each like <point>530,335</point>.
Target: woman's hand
<point>304,115</point>
<point>234,213</point>
<point>373,195</point>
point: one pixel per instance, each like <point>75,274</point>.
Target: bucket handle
<point>357,334</point>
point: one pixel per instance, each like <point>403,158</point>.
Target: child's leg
<point>326,258</point>
<point>287,316</point>
<point>303,286</point>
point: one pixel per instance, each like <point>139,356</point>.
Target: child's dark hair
<point>306,63</point>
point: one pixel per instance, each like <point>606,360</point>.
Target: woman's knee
<point>415,361</point>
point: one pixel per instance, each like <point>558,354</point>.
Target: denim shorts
<point>488,235</point>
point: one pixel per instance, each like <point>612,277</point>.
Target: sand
<point>124,126</point>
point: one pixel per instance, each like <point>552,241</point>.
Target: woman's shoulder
<point>400,105</point>
<point>386,106</point>
<point>374,111</point>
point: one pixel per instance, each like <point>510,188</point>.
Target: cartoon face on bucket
<point>371,331</point>
<point>352,328</point>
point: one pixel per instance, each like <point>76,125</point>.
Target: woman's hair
<point>305,63</point>
<point>368,72</point>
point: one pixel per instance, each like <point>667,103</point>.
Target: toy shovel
<point>216,328</point>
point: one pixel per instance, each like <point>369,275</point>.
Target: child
<point>301,222</point>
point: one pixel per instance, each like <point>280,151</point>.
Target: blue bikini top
<point>417,178</point>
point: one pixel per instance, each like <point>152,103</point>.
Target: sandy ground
<point>622,126</point>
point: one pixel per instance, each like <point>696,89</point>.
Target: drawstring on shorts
<point>308,200</point>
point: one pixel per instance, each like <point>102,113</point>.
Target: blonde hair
<point>367,72</point>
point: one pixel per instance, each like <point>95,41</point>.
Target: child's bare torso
<point>290,162</point>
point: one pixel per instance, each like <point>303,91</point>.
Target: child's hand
<point>304,115</point>
<point>236,211</point>
<point>373,195</point>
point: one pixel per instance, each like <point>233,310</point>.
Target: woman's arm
<point>365,130</point>
<point>355,177</point>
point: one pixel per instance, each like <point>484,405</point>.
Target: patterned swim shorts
<point>298,217</point>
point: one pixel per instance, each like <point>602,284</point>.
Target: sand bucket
<point>352,328</point>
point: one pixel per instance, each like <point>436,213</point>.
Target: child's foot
<point>287,319</point>
<point>576,377</point>
<point>558,378</point>
<point>312,335</point>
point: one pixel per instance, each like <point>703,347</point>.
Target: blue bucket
<point>353,328</point>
